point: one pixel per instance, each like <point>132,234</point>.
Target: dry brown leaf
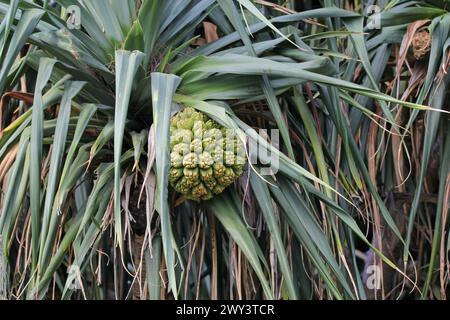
<point>23,96</point>
<point>210,32</point>
<point>407,41</point>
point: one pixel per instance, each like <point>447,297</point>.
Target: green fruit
<point>205,157</point>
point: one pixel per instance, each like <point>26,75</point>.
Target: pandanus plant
<point>97,199</point>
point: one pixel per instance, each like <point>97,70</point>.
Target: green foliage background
<point>86,211</point>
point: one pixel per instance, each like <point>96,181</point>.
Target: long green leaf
<point>163,89</point>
